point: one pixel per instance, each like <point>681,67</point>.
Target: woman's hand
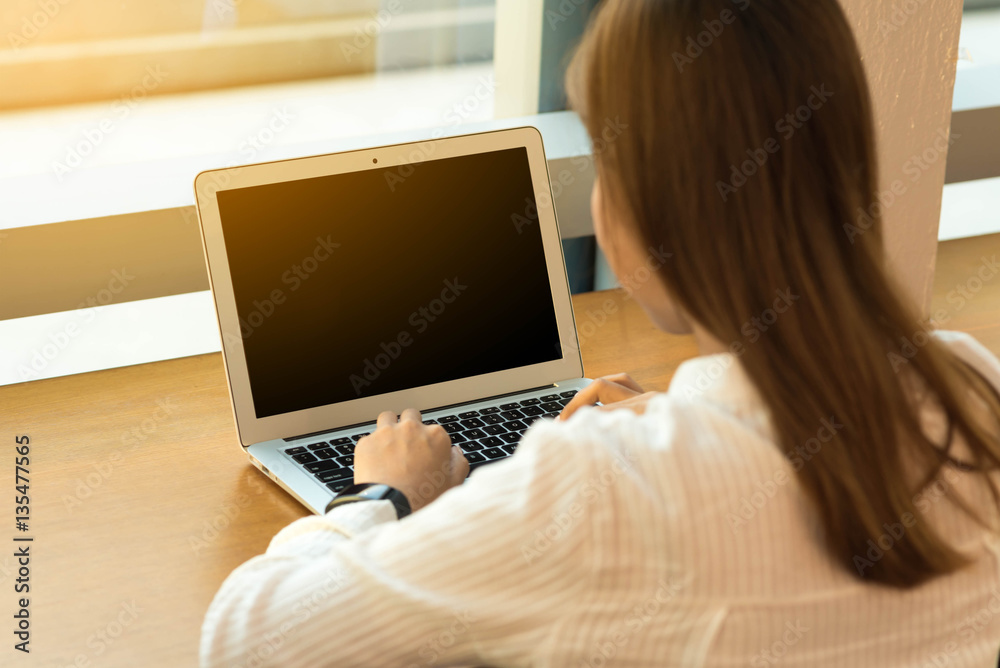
<point>617,391</point>
<point>417,459</point>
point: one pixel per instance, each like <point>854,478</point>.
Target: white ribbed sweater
<point>675,538</point>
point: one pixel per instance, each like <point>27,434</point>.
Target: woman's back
<point>705,533</point>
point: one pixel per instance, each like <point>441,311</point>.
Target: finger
<point>625,380</point>
<point>459,465</point>
<point>410,415</point>
<point>585,397</point>
<point>386,419</point>
<point>636,404</point>
<point>601,390</point>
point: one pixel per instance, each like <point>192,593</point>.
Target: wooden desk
<point>142,503</point>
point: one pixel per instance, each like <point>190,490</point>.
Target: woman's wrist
<point>369,491</point>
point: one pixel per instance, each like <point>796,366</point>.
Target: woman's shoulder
<point>673,432</point>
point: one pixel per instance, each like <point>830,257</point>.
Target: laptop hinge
<point>426,410</point>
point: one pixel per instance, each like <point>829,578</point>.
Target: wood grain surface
<point>142,502</point>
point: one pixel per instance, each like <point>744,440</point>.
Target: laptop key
<point>448,418</point>
<point>532,410</point>
<point>457,438</point>
<point>550,397</point>
<point>341,441</point>
<point>492,419</point>
<point>528,419</point>
<point>338,486</point>
<point>551,415</point>
<point>468,414</point>
<point>345,460</point>
<point>318,446</point>
<point>491,441</point>
<point>552,406</point>
<point>345,449</point>
<point>358,437</point>
<point>512,415</point>
<point>494,429</point>
<point>472,423</point>
<point>492,410</point>
<point>471,445</point>
<point>510,437</point>
<point>452,427</point>
<point>325,453</point>
<point>324,465</point>
<point>335,474</point>
<point>563,402</point>
<point>509,407</point>
<point>304,457</point>
<point>568,395</point>
<point>474,433</point>
<point>430,422</point>
<point>531,402</point>
<point>509,448</point>
<point>515,425</point>
<point>494,453</point>
<point>474,457</point>
<point>296,451</point>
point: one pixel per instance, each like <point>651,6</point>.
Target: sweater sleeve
<point>479,575</point>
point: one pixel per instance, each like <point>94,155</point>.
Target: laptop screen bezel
<point>403,157</point>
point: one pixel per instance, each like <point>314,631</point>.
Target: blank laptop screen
<point>359,284</point>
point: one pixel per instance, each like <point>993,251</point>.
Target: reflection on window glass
<point>70,51</point>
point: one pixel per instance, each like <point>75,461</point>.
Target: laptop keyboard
<point>486,435</point>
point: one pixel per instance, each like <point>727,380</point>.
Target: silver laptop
<point>426,275</point>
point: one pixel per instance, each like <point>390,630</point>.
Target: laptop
<point>426,275</point>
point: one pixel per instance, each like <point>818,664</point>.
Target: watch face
<point>357,489</point>
<point>376,492</point>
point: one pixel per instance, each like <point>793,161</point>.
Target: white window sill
<point>143,155</point>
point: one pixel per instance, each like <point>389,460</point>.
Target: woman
<point>828,499</point>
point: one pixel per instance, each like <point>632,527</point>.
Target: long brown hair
<point>750,155</point>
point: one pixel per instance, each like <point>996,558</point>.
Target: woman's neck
<point>707,344</point>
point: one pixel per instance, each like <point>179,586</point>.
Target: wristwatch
<point>370,491</point>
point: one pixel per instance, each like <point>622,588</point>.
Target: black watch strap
<point>370,491</point>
